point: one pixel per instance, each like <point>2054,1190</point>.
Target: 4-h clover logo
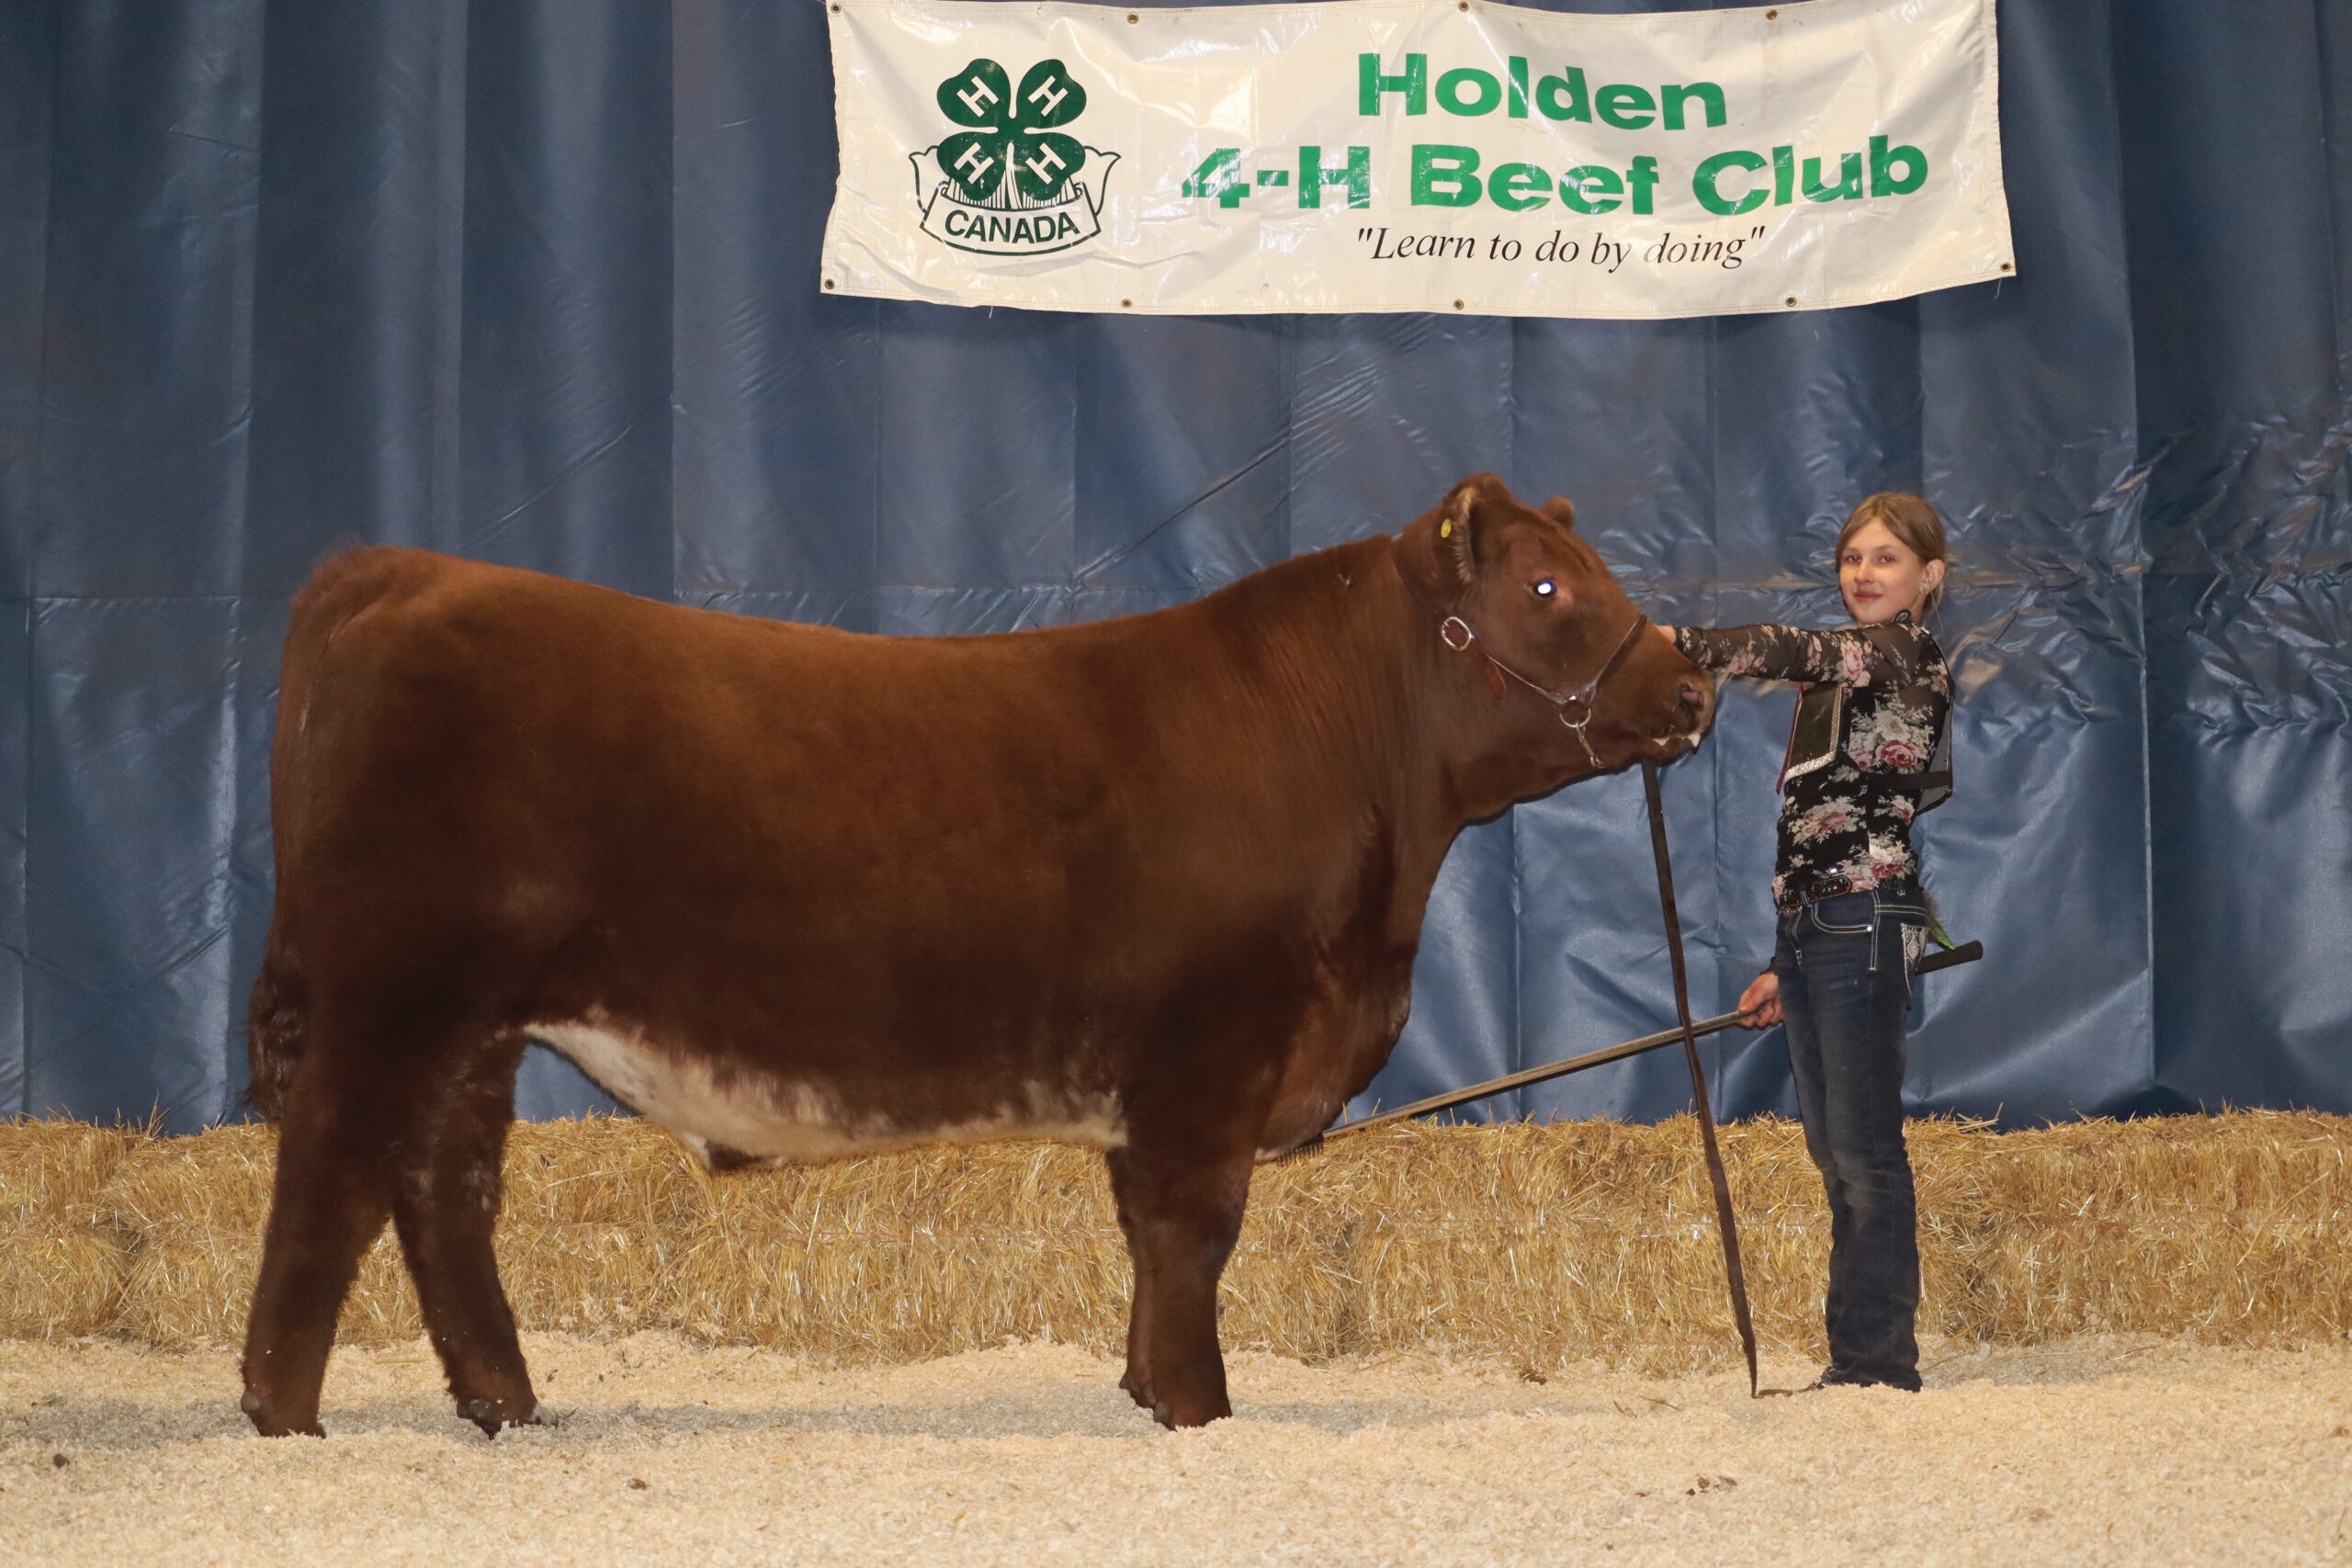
<point>1007,186</point>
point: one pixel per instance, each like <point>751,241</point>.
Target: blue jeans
<point>1845,991</point>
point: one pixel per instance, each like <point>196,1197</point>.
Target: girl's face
<point>1881,576</point>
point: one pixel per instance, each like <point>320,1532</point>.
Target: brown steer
<point>1151,884</point>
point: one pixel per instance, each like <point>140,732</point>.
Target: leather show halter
<point>1455,632</point>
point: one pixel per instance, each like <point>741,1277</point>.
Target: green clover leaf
<point>1049,97</point>
<point>1011,130</point>
<point>980,95</point>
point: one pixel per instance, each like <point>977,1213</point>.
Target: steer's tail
<point>278,1022</point>
<point>278,1027</point>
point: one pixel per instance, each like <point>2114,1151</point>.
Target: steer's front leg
<point>1181,1209</point>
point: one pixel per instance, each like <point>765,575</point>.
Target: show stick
<point>1966,952</point>
<point>1727,1220</point>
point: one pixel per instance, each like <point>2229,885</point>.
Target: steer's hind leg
<point>1182,1213</point>
<point>330,1195</point>
<point>1138,1380</point>
<point>445,1205</point>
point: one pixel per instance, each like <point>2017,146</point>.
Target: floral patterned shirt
<point>1846,827</point>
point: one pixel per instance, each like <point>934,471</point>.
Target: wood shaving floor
<point>2085,1453</point>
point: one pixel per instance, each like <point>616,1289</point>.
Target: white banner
<point>1415,155</point>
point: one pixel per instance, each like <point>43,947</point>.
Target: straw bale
<point>197,1206</point>
<point>892,1258</point>
<point>61,1257</point>
<point>1542,1245</point>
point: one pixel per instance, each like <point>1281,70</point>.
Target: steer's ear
<point>1440,552</point>
<point>1560,510</point>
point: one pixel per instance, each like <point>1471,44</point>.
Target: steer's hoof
<point>256,1411</point>
<point>1137,1390</point>
<point>1176,1417</point>
<point>484,1412</point>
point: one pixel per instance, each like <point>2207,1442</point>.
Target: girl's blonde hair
<point>1914,523</point>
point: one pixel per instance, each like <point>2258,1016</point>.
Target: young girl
<point>1866,755</point>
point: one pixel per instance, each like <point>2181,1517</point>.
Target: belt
<point>1831,886</point>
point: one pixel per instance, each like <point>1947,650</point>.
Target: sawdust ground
<point>2088,1451</point>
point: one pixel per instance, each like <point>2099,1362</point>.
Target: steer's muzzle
<point>1677,703</point>
<point>1697,700</point>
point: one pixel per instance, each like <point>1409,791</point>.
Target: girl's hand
<point>1666,632</point>
<point>1760,1004</point>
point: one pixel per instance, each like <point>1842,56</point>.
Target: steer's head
<point>1537,645</point>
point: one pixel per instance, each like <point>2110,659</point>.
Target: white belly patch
<point>779,1120</point>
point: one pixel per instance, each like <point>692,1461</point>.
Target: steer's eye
<point>1543,588</point>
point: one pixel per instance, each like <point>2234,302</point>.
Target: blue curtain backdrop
<point>535,281</point>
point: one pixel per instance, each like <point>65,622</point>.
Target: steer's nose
<point>1698,702</point>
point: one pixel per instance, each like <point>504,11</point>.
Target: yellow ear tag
<point>1445,530</point>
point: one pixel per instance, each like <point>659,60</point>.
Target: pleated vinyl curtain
<point>534,281</point>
